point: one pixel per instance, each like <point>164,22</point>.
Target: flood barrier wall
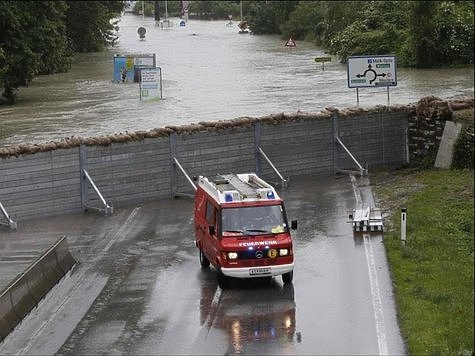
<point>42,180</point>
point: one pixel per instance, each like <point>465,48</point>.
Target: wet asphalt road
<point>139,287</point>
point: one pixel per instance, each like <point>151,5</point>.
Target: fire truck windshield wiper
<point>236,231</point>
<point>256,230</point>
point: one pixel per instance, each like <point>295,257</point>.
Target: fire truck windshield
<point>253,220</point>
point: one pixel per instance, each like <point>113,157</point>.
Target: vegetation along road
<point>433,273</point>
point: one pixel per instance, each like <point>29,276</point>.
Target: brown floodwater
<point>210,73</point>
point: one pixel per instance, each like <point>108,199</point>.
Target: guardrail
<point>24,293</point>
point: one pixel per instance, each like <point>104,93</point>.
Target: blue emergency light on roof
<point>228,197</point>
<point>270,194</point>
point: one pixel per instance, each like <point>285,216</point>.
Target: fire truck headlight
<point>283,252</point>
<point>287,322</point>
<point>232,255</point>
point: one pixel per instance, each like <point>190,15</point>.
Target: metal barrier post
<point>108,209</point>
<point>10,223</point>
<point>282,179</point>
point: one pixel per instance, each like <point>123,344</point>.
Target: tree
<point>455,31</point>
<point>422,40</point>
<point>89,24</point>
<point>305,22</point>
<point>33,41</point>
<point>267,16</point>
<point>39,37</point>
<point>379,29</point>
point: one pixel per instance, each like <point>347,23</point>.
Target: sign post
<point>323,60</point>
<point>371,72</point>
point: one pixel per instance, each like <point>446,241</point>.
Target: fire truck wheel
<point>203,260</point>
<point>223,280</point>
<point>288,277</point>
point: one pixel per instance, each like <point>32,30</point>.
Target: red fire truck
<point>241,228</point>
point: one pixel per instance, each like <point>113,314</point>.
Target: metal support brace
<point>363,171</point>
<point>10,223</point>
<point>282,179</point>
<point>173,178</point>
<point>257,143</point>
<point>108,209</point>
<point>184,172</point>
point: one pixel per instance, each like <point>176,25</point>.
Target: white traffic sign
<point>371,71</point>
<point>150,84</point>
<point>290,43</point>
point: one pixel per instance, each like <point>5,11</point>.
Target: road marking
<point>213,308</point>
<point>121,230</point>
<point>203,332</point>
<point>376,297</point>
<point>357,192</point>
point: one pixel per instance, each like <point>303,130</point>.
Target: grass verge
<point>433,273</point>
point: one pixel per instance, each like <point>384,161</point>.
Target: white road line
<point>213,308</point>
<point>121,230</point>
<point>203,332</point>
<point>376,297</point>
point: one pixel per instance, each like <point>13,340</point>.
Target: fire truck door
<point>211,232</point>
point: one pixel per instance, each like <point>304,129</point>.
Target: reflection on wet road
<point>139,288</point>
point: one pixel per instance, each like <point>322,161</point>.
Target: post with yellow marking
<point>323,60</point>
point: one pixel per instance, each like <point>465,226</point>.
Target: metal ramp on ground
<point>367,220</point>
<point>366,217</point>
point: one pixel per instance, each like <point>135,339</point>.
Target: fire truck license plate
<point>254,271</point>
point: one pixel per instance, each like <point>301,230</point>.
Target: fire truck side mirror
<point>293,224</point>
<point>211,229</point>
<point>194,178</point>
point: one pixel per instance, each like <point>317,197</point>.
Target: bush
<point>463,151</point>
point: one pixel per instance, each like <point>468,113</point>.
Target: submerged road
<point>139,287</point>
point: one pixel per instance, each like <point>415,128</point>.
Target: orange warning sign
<point>290,43</point>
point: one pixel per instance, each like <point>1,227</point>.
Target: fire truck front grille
<point>253,255</point>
